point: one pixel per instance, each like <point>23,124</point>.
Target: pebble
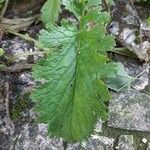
<point>144,140</point>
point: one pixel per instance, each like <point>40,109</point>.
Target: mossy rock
<point>17,109</point>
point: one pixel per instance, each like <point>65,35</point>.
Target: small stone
<point>125,142</point>
<point>114,28</point>
<point>26,78</point>
<point>128,35</point>
<point>144,140</point>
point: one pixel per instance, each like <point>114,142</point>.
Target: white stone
<point>144,140</point>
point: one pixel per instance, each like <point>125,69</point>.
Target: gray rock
<point>125,142</point>
<point>74,146</point>
<point>148,146</point>
<point>16,47</point>
<point>98,126</point>
<point>143,75</point>
<point>100,143</point>
<point>26,78</point>
<point>27,83</point>
<point>130,110</point>
<point>20,49</point>
<point>139,72</point>
<point>125,27</point>
<point>96,142</point>
<point>35,138</point>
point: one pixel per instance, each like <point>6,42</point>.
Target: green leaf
<point>50,11</point>
<point>91,3</point>
<point>121,81</point>
<point>73,6</point>
<point>1,52</point>
<point>78,6</point>
<point>72,97</point>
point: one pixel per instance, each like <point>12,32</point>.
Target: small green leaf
<point>78,6</point>
<point>50,11</point>
<point>121,81</point>
<point>92,3</point>
<point>73,6</point>
<point>1,52</point>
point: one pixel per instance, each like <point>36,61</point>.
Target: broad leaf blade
<point>73,96</point>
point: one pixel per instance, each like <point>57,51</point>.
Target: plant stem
<point>124,52</point>
<point>106,5</point>
<point>4,9</point>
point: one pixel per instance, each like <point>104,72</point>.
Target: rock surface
<point>96,142</point>
<point>125,142</point>
<point>125,27</point>
<point>148,146</point>
<point>34,137</point>
<point>130,110</point>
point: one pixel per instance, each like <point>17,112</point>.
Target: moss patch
<point>17,108</point>
<point>115,133</point>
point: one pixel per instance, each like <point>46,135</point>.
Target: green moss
<point>17,109</point>
<point>115,133</point>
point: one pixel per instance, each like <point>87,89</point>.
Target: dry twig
<point>8,120</point>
